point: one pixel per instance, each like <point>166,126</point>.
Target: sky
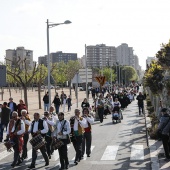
<point>142,24</point>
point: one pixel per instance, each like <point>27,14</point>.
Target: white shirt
<point>50,122</point>
<point>35,128</point>
<point>66,130</point>
<point>81,122</point>
<point>88,119</point>
<point>20,132</point>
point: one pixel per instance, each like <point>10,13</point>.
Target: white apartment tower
<point>101,55</point>
<point>124,55</point>
<point>13,55</point>
<point>149,61</point>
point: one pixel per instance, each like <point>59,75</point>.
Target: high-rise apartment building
<point>149,61</point>
<point>100,55</point>
<point>57,57</point>
<point>12,56</point>
<point>124,55</point>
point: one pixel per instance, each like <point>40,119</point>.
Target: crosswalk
<point>109,154</point>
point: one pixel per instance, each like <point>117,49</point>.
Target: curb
<point>152,146</point>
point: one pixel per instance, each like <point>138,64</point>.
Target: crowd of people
<point>53,127</point>
<point>50,127</point>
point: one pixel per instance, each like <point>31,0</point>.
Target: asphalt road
<point>120,146</point>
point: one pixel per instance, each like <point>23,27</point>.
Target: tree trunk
<point>25,96</point>
<point>9,88</point>
<point>2,93</point>
<point>32,87</point>
<point>70,87</point>
<point>39,95</point>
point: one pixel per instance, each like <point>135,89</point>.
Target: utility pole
<point>86,72</point>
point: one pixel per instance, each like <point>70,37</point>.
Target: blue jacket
<point>166,129</point>
<point>163,122</point>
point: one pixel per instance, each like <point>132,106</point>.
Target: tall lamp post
<point>48,53</point>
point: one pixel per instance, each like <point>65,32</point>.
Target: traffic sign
<point>101,80</point>
<point>76,79</point>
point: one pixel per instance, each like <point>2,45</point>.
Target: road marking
<point>110,153</point>
<point>56,155</point>
<point>137,152</point>
<point>29,154</point>
<point>4,154</point>
<point>85,156</point>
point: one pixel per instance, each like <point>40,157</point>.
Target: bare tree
<point>22,74</point>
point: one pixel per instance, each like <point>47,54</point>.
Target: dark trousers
<point>48,140</point>
<point>24,152</point>
<point>2,130</point>
<point>1,133</point>
<point>63,155</point>
<point>87,138</point>
<point>69,107</point>
<point>16,150</point>
<point>100,113</point>
<point>35,153</point>
<point>166,145</point>
<point>140,108</point>
<point>78,147</point>
<point>57,108</point>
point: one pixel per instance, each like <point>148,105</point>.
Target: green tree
<point>107,73</point>
<point>59,73</point>
<point>72,68</point>
<point>129,74</point>
<point>153,77</point>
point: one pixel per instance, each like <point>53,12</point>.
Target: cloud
<point>31,8</point>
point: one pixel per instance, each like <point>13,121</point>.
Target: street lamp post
<point>86,72</point>
<point>48,54</point>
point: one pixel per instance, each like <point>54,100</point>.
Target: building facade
<point>12,56</point>
<point>100,55</point>
<point>57,57</point>
<point>124,55</point>
<point>149,61</point>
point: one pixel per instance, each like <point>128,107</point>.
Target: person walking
<point>27,121</point>
<point>46,102</point>
<point>12,105</point>
<point>87,136</point>
<point>85,104</point>
<point>100,107</point>
<point>61,132</point>
<point>5,117</point>
<point>48,137</point>
<point>57,103</point>
<point>21,106</point>
<point>15,131</point>
<point>69,103</point>
<point>77,122</point>
<point>38,126</point>
<point>140,99</point>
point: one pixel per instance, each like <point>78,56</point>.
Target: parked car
<point>81,88</point>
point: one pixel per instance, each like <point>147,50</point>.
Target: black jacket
<point>46,99</point>
<point>5,115</point>
<point>14,106</point>
<point>57,101</point>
